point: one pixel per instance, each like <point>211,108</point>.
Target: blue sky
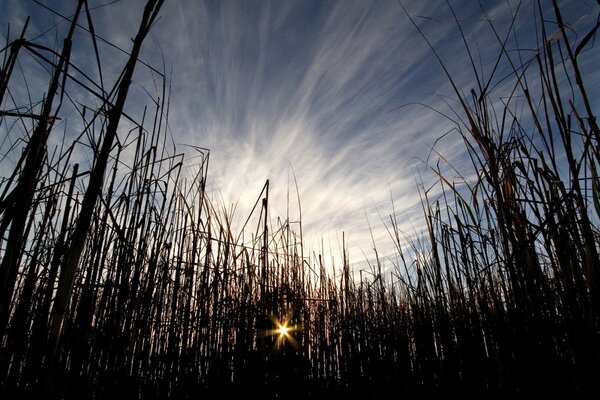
<point>326,88</point>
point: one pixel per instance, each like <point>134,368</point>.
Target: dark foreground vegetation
<point>120,279</point>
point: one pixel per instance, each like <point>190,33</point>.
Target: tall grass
<point>121,279</point>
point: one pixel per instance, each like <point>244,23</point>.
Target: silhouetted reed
<point>122,279</point>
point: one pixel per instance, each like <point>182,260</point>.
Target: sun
<point>283,332</point>
<point>283,329</point>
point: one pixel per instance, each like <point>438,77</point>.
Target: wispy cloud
<point>320,87</point>
<point>310,86</point>
<point>316,86</point>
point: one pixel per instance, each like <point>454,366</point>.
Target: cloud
<point>305,85</point>
<point>320,88</point>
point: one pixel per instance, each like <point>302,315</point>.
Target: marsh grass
<point>121,279</point>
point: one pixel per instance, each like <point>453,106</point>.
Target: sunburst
<point>283,330</point>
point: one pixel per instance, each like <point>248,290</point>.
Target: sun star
<point>283,330</point>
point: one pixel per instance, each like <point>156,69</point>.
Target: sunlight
<point>283,330</point>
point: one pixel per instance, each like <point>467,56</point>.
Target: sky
<point>342,98</point>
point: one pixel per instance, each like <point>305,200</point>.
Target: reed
<point>121,278</point>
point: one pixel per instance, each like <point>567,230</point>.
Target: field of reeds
<point>120,278</point>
